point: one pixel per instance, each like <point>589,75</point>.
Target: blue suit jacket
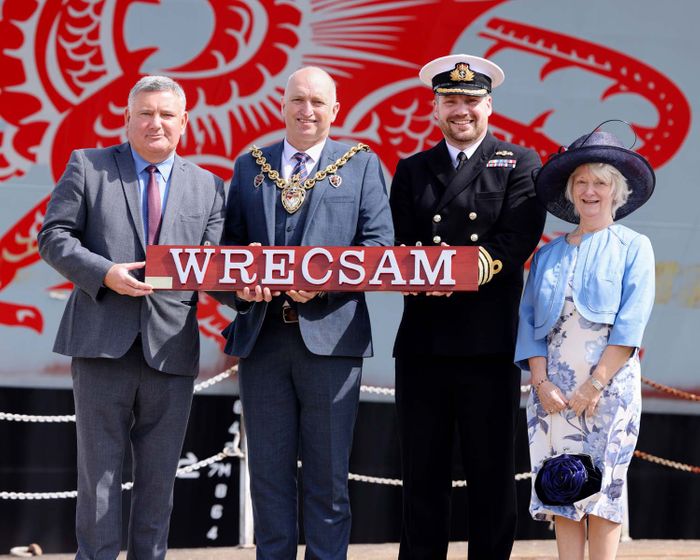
<point>355,213</point>
<point>613,284</point>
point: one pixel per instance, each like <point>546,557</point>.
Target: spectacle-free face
<point>309,107</point>
<point>592,196</point>
<point>155,121</point>
<point>463,119</point>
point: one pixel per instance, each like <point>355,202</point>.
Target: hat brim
<point>550,181</point>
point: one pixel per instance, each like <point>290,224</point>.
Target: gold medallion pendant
<point>293,191</point>
<point>293,197</point>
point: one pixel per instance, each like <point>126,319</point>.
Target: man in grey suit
<point>135,352</point>
<point>301,352</point>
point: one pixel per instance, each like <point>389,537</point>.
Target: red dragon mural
<point>67,70</point>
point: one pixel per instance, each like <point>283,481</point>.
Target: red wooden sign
<point>344,269</point>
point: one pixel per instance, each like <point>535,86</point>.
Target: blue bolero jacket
<point>613,283</point>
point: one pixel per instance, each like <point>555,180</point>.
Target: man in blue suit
<point>301,352</point>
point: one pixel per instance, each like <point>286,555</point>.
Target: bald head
<point>312,74</point>
<point>309,107</point>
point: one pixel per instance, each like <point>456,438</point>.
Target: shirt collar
<point>314,152</point>
<point>164,167</point>
<point>469,151</point>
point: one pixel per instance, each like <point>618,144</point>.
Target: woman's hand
<point>551,397</point>
<point>585,399</point>
<point>586,396</point>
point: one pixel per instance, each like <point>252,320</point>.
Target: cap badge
<point>461,73</point>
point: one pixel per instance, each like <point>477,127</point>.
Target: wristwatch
<point>597,384</point>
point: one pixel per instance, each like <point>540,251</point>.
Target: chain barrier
<point>35,418</point>
<point>671,390</point>
<point>234,451</point>
<point>398,482</point>
<point>233,370</point>
<point>667,462</point>
<point>388,392</point>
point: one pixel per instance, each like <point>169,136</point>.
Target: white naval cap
<point>461,74</point>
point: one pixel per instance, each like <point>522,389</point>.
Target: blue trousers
<point>297,405</point>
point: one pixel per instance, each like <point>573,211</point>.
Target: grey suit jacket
<point>93,221</point>
<point>355,213</point>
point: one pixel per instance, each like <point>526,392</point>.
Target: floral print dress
<point>574,347</point>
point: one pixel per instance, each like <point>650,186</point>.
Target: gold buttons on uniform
<point>474,237</point>
<point>437,218</point>
<point>437,240</point>
<point>472,216</point>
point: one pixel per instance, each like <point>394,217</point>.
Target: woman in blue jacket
<point>587,300</point>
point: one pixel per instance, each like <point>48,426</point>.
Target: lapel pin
<point>335,180</point>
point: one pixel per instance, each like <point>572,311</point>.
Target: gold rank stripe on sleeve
<point>502,163</point>
<point>488,267</point>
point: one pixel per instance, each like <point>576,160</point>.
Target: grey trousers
<point>121,402</point>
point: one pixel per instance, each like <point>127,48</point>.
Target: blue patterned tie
<point>300,166</point>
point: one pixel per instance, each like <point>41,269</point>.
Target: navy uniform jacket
<point>488,204</point>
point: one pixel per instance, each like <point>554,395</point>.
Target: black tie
<point>461,160</point>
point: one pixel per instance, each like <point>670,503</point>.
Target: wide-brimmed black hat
<point>594,147</point>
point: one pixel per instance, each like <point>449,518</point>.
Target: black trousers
<point>479,397</point>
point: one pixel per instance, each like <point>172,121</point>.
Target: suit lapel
<point>471,170</point>
<point>176,190</point>
<point>441,164</point>
<point>273,155</point>
<point>328,155</point>
<point>130,185</point>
